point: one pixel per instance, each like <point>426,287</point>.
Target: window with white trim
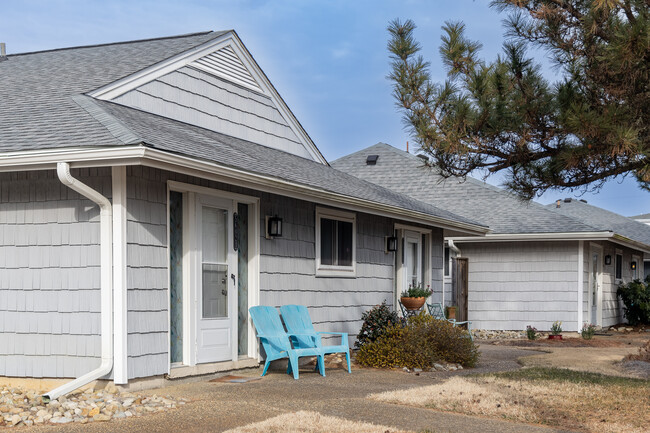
<point>335,243</point>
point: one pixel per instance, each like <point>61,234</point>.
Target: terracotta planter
<point>451,313</point>
<point>554,337</point>
<point>413,303</point>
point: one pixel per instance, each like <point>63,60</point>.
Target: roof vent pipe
<point>558,203</point>
<point>106,289</point>
<point>3,51</point>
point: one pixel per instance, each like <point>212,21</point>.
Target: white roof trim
<point>229,39</point>
<point>141,155</point>
<point>566,236</point>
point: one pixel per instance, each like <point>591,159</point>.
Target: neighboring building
<point>536,265</point>
<point>637,228</point>
<point>191,154</point>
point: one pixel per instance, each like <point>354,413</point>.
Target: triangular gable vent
<point>225,64</point>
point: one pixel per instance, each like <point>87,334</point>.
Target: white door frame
<point>190,258</point>
<point>595,248</point>
<point>402,231</point>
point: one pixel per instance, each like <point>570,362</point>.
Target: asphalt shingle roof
<point>502,211</point>
<point>43,106</point>
<point>37,107</point>
<point>604,220</point>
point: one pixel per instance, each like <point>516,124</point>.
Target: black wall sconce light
<point>633,266</point>
<point>391,244</point>
<point>608,259</point>
<point>273,227</point>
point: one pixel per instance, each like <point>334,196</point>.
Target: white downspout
<point>106,254</point>
<point>454,248</point>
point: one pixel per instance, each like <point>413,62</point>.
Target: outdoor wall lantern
<point>633,266</point>
<point>273,227</point>
<point>608,259</point>
<point>391,244</point>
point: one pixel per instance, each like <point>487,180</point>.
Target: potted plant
<point>556,331</point>
<point>451,312</point>
<point>415,297</point>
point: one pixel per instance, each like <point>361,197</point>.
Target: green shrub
<point>375,322</point>
<point>636,298</point>
<point>423,342</point>
<point>531,333</point>
<point>588,331</point>
<point>417,291</point>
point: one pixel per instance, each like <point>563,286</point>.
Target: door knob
<point>233,278</point>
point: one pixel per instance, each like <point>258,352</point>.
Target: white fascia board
<point>247,58</point>
<point>140,155</point>
<point>568,236</point>
<point>76,157</point>
<point>128,83</point>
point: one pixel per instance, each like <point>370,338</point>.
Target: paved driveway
<point>220,406</point>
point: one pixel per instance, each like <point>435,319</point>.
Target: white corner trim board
<point>120,373</point>
<point>106,253</point>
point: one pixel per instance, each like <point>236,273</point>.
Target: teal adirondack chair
<point>276,341</point>
<point>303,335</point>
<point>436,311</point>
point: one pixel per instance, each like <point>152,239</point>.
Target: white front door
<point>595,285</point>
<point>216,297</point>
<point>412,259</point>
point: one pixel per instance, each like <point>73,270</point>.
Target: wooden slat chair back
<point>277,343</point>
<point>299,324</point>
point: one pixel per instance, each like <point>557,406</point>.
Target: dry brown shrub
<point>643,355</point>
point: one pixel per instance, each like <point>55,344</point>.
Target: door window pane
<point>215,291</point>
<point>214,235</point>
<point>176,275</point>
<point>413,263</point>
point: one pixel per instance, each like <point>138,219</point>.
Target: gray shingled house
<point>152,191</point>
<point>537,265</point>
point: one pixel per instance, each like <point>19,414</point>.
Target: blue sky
<point>327,59</point>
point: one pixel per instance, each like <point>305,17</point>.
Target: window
<point>619,266</point>
<point>335,243</point>
<point>446,264</point>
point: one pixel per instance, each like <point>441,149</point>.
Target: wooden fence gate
<point>459,286</point>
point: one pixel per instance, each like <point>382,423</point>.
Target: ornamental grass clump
<point>375,322</point>
<point>421,343</point>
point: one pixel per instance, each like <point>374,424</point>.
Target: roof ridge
<point>134,41</point>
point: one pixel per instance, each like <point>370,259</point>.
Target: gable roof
<point>37,109</point>
<point>500,210</point>
<point>47,118</point>
<point>604,219</point>
<point>38,86</point>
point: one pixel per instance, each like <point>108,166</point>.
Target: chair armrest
<point>344,336</point>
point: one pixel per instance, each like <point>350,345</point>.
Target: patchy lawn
<point>555,397</point>
<point>311,422</point>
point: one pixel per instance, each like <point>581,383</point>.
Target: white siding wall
<point>49,275</point>
<point>612,305</point>
<point>514,284</point>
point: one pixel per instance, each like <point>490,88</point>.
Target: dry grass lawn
<point>311,422</point>
<point>562,398</point>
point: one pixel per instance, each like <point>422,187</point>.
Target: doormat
<point>235,379</point>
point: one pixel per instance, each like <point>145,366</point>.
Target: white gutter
<point>106,251</point>
<point>140,155</point>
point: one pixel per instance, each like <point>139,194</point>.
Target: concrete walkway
<point>221,406</point>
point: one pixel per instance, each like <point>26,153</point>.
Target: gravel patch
<point>638,368</point>
<point>26,407</point>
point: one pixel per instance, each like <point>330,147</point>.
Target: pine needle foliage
<point>591,125</point>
